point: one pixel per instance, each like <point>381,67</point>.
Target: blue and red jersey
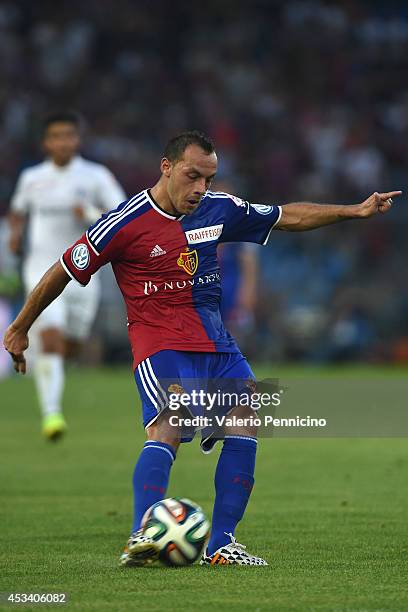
<point>167,269</point>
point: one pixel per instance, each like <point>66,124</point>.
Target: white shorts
<point>73,312</point>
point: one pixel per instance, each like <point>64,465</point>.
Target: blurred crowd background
<point>305,100</point>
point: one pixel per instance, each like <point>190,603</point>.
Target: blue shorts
<point>167,374</point>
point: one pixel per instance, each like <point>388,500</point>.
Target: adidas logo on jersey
<point>156,251</point>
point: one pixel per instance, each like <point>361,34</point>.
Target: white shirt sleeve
<point>109,192</point>
<point>20,200</point>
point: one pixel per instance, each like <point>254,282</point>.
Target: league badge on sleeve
<point>262,209</point>
<point>80,256</point>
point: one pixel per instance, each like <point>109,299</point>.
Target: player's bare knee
<point>52,341</point>
<point>244,419</point>
<point>162,431</point>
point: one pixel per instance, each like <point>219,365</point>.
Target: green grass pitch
<point>330,515</point>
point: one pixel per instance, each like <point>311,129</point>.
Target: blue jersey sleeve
<point>245,222</point>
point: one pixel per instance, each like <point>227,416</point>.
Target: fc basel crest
<point>175,388</point>
<point>188,260</point>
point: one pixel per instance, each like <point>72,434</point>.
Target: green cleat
<point>54,426</point>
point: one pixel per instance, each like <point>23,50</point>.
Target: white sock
<point>49,378</point>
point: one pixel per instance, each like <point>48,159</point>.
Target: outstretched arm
<point>301,216</point>
<point>48,289</point>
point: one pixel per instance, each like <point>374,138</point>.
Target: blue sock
<point>234,479</point>
<point>151,477</point>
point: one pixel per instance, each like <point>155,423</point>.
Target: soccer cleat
<point>140,550</point>
<point>231,554</point>
<point>54,426</point>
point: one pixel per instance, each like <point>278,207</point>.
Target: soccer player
<point>162,247</point>
<point>58,199</point>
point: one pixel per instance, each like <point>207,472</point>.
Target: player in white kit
<point>58,198</point>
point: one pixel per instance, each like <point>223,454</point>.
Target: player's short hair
<point>176,146</point>
<point>66,116</point>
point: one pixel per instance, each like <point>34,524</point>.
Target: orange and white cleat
<point>231,554</point>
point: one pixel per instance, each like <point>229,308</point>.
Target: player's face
<point>189,179</point>
<point>61,142</point>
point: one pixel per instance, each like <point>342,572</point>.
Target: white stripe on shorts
<point>145,386</point>
<point>155,379</point>
<point>149,384</point>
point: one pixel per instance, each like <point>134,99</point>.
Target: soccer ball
<point>179,527</point>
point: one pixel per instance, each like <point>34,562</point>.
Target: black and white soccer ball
<point>180,529</point>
